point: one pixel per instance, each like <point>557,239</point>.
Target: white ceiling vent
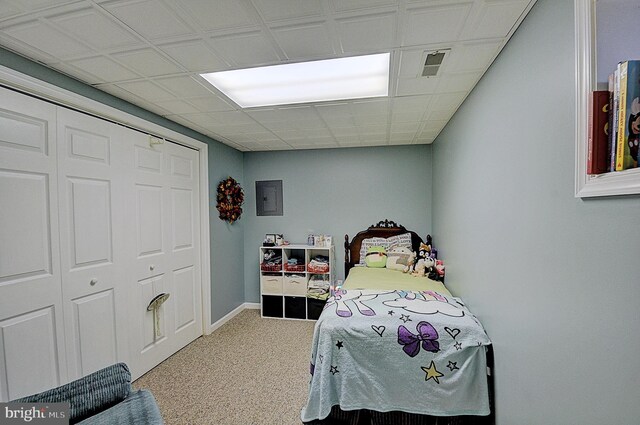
<point>432,62</point>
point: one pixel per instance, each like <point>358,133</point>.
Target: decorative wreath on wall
<point>230,198</point>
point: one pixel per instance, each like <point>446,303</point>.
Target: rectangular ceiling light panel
<point>318,81</point>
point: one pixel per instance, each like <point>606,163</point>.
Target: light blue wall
<point>227,290</point>
<point>554,279</point>
<point>227,240</point>
<point>336,192</point>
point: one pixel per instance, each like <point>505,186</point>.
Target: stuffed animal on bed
<point>422,262</point>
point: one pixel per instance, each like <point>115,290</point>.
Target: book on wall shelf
<point>614,122</point>
<point>628,116</point>
<point>598,149</point>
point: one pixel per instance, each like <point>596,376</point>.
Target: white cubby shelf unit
<point>284,288</point>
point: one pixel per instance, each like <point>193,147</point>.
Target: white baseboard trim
<point>212,327</point>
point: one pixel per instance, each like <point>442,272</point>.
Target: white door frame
<point>50,92</point>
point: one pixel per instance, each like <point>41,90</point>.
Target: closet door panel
<point>93,209</point>
<point>166,198</point>
<point>183,180</point>
<point>31,320</point>
<point>97,343</point>
<point>29,353</point>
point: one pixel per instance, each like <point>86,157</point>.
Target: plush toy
<point>409,267</point>
<point>440,268</point>
<point>423,261</point>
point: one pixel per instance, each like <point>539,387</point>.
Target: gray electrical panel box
<point>269,197</point>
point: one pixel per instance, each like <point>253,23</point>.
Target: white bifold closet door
<point>92,182</point>
<point>165,198</point>
<point>32,347</point>
<point>94,223</point>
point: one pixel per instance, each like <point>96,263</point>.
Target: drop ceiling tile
<point>34,5</point>
<point>246,128</point>
<point>370,107</point>
<point>211,103</point>
<point>431,25</point>
<point>339,121</point>
<point>361,120</point>
<point>205,120</point>
<point>8,10</point>
<point>304,42</point>
<point>234,118</point>
<point>350,5</point>
<point>276,144</point>
<point>96,30</point>
<point>316,132</point>
<point>219,14</point>
<point>402,137</point>
<point>472,57</point>
<point>409,104</point>
<point>147,62</point>
<point>150,18</point>
<point>434,125</point>
<point>183,86</point>
<point>249,49</point>
<point>331,110</point>
<point>267,115</point>
<point>416,86</point>
<point>176,107</point>
<point>195,56</point>
<point>41,36</point>
<point>367,33</point>
<point>277,10</point>
<point>264,138</point>
<point>411,63</point>
<point>458,82</point>
<point>448,101</point>
<point>494,19</point>
<point>345,131</point>
<point>440,115</point>
<point>146,90</point>
<point>104,69</point>
<point>405,127</point>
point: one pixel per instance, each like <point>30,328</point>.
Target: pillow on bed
<point>399,240</point>
<point>398,257</point>
<point>376,257</point>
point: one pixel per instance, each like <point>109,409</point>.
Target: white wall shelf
<point>610,184</point>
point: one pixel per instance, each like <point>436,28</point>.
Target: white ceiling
<point>150,53</point>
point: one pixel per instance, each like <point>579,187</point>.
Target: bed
<point>393,348</point>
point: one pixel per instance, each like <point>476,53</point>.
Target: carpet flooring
<point>250,371</point>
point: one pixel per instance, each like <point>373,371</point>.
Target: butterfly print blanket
<point>414,351</point>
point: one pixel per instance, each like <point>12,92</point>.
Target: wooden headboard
<point>383,229</point>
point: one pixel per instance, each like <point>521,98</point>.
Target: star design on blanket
<point>391,312</point>
<point>452,366</point>
<point>432,372</point>
<point>339,344</point>
<point>405,318</point>
<point>458,346</point>
<point>334,370</point>
<point>321,357</point>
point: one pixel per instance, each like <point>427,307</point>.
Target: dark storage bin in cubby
<point>295,308</point>
<point>314,308</point>
<point>271,306</point>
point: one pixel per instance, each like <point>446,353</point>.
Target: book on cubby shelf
<point>613,109</point>
<point>628,115</point>
<point>598,130</point>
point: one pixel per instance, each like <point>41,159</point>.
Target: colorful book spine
<point>610,133</point>
<point>614,112</point>
<point>598,123</point>
<point>628,116</point>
